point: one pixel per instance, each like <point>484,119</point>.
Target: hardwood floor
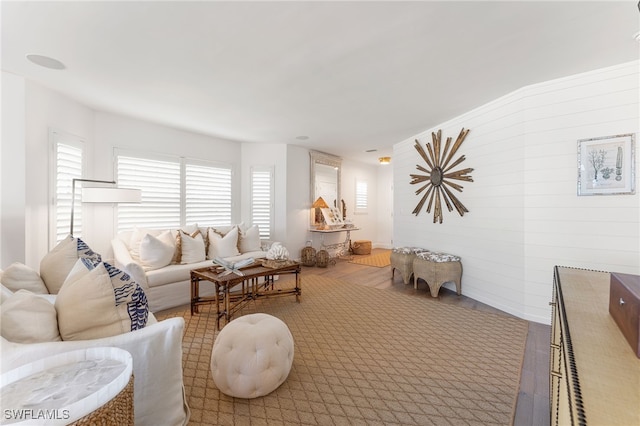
<point>533,399</point>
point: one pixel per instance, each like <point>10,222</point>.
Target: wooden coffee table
<point>233,291</point>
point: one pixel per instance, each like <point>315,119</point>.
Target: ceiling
<point>351,76</point>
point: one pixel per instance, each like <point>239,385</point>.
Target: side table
<point>87,386</point>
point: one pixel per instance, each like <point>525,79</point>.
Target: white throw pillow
<point>223,246</point>
<point>250,240</point>
<point>156,252</point>
<point>28,318</point>
<point>136,238</point>
<point>99,302</point>
<point>55,265</point>
<point>19,276</point>
<point>192,248</point>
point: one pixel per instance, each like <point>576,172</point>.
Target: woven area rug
<point>379,260</point>
<point>365,356</point>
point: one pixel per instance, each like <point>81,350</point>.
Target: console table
<point>594,373</point>
<point>342,248</point>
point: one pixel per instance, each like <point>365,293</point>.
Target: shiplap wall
<point>525,216</point>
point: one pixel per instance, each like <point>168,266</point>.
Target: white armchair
<point>156,350</point>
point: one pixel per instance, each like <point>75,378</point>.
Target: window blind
<point>207,195</point>
<point>262,200</point>
<point>68,166</point>
<point>362,197</point>
<point>160,184</point>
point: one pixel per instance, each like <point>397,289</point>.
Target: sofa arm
<point>125,262</point>
<point>157,367</point>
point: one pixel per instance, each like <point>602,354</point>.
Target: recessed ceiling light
<point>371,150</point>
<point>302,138</point>
<point>636,36</point>
<point>47,62</point>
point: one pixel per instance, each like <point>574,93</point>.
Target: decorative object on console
<point>102,195</point>
<point>437,175</point>
<point>606,165</point>
<point>317,207</point>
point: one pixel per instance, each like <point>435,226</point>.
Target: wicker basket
<point>361,247</point>
<point>117,412</point>
<point>322,259</point>
<point>308,256</point>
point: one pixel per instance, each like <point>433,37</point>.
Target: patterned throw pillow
<point>99,300</point>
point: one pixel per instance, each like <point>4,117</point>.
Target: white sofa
<point>157,365</point>
<point>169,286</point>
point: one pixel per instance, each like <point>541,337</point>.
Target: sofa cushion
<point>19,276</point>
<point>223,245</point>
<point>55,265</point>
<point>192,248</point>
<point>136,238</point>
<point>28,318</point>
<point>98,300</point>
<point>157,252</point>
<point>250,239</point>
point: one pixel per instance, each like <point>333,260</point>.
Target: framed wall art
<point>606,165</point>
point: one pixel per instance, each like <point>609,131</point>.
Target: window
<point>175,192</point>
<point>262,200</point>
<point>208,194</point>
<point>68,162</point>
<point>362,197</point>
<point>159,181</point>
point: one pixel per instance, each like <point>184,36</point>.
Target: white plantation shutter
<point>207,194</point>
<point>262,200</point>
<point>68,166</point>
<point>175,192</point>
<point>159,181</point>
<point>362,197</point>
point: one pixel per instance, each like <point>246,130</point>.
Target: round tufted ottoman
<point>252,356</point>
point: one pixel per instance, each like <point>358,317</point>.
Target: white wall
<point>269,155</point>
<point>46,110</point>
<point>525,216</point>
<point>12,171</point>
<point>122,133</point>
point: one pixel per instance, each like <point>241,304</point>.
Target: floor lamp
<point>103,195</point>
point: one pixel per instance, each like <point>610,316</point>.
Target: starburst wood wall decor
<point>438,175</point>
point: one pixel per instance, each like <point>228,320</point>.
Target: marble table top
<point>64,387</point>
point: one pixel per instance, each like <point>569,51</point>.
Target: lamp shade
<point>111,195</point>
<point>320,204</point>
